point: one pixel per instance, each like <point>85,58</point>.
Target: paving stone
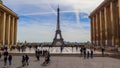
<point>66,62</point>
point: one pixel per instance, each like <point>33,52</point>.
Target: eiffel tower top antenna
<point>58,18</point>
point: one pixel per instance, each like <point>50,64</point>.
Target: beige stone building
<point>105,24</point>
<point>8,26</point>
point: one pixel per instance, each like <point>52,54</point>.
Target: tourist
<point>5,60</point>
<point>84,50</point>
<point>27,59</point>
<point>102,51</point>
<point>61,48</point>
<point>88,52</point>
<point>81,50</point>
<point>91,53</point>
<point>36,52</point>
<point>47,58</point>
<point>38,56</point>
<point>23,60</point>
<point>10,59</point>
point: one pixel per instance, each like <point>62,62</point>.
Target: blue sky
<point>38,18</point>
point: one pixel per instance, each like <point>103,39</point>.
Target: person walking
<point>47,58</point>
<point>27,59</point>
<point>88,52</point>
<point>61,49</point>
<point>38,56</point>
<point>10,59</point>
<point>103,51</point>
<point>5,60</point>
<point>91,55</point>
<point>81,51</point>
<point>84,50</point>
<point>23,60</point>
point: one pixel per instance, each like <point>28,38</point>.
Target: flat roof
<point>99,7</point>
<point>5,8</point>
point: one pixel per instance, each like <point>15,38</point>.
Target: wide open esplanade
<point>8,26</point>
<point>105,24</point>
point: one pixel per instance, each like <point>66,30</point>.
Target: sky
<point>38,19</point>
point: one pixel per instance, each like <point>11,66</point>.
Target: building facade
<point>8,26</point>
<point>105,24</point>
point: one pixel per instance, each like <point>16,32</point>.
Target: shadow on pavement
<point>19,66</point>
<point>116,57</point>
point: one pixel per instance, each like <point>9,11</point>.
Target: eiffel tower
<point>58,31</point>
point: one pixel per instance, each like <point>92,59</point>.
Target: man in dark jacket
<point>27,59</point>
<point>5,60</point>
<point>102,51</point>
<point>10,59</point>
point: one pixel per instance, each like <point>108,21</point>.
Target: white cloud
<point>45,31</point>
<point>80,5</point>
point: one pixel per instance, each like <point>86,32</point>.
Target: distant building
<point>8,26</point>
<point>105,24</point>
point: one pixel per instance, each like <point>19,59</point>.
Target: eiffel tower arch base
<point>58,42</point>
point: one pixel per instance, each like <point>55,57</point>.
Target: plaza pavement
<point>66,62</point>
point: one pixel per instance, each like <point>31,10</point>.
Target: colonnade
<point>8,26</point>
<point>105,24</point>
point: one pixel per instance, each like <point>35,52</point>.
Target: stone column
<point>116,18</point>
<point>4,21</point>
<point>9,21</point>
<point>1,28</point>
<point>15,32</point>
<point>96,30</point>
<point>103,27</point>
<point>105,17</point>
<point>13,22</point>
<point>112,22</point>
<point>11,30</point>
<point>108,26</point>
<point>6,30</point>
<point>101,32</point>
<point>98,27</point>
<point>118,22</point>
<point>91,30</point>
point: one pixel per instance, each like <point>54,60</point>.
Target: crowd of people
<point>7,57</point>
<point>25,59</point>
<point>86,52</point>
